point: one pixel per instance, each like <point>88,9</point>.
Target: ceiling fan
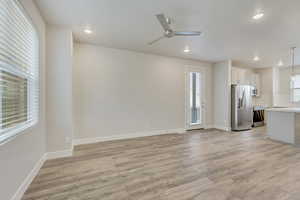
<point>169,32</point>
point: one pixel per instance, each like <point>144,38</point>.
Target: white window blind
<point>19,52</point>
<point>295,88</point>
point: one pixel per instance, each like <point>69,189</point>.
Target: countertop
<point>291,110</point>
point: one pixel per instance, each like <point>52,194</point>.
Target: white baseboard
<point>179,130</point>
<point>50,155</point>
<point>58,154</point>
<point>223,128</point>
<point>126,136</point>
<point>210,126</point>
<point>23,187</point>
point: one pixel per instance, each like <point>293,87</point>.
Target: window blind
<point>19,61</point>
<point>295,88</point>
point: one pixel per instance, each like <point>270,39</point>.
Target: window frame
<point>10,133</point>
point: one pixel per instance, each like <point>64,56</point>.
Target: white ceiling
<point>228,29</point>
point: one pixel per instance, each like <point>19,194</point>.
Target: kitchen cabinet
<point>245,77</point>
<point>237,75</point>
<point>241,76</point>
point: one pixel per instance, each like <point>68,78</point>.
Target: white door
<point>194,100</point>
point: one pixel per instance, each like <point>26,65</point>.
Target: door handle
<point>239,103</point>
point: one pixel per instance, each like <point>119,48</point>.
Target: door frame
<point>202,71</point>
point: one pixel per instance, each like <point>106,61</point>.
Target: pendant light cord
<point>293,71</point>
<point>293,60</point>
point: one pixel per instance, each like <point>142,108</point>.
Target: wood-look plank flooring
<point>199,165</point>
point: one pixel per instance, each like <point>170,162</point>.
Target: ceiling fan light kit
<point>169,32</point>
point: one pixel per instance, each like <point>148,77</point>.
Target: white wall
<point>119,92</point>
<point>222,95</point>
<point>19,156</point>
<point>59,89</point>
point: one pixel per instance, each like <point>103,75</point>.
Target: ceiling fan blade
<point>187,33</point>
<point>156,40</point>
<point>163,21</point>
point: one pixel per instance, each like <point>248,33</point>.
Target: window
<point>18,70</point>
<point>295,88</point>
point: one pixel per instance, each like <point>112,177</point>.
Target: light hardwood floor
<point>199,165</point>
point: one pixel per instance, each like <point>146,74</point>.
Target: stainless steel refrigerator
<point>241,107</point>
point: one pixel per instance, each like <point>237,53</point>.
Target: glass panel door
<point>195,117</point>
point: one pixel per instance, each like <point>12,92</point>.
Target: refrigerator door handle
<point>243,100</point>
<point>239,103</point>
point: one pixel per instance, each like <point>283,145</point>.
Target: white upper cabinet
<point>241,76</point>
<point>245,77</point>
<point>237,75</point>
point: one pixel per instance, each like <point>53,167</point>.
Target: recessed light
<point>280,63</point>
<point>87,31</point>
<point>256,58</point>
<point>258,16</point>
<point>186,50</point>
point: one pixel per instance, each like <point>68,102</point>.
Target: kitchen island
<point>283,124</point>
